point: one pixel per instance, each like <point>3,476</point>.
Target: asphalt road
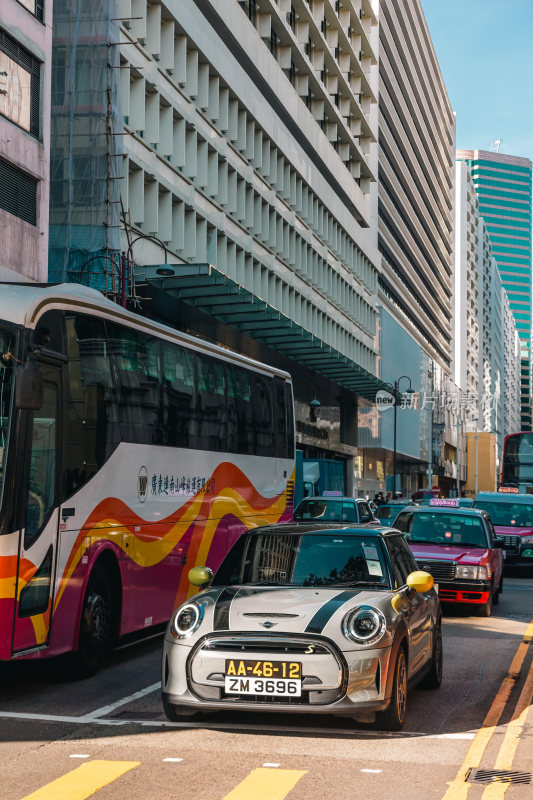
<point>66,740</point>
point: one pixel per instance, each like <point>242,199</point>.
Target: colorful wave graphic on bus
<point>148,544</point>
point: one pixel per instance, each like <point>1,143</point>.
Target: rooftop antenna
<point>495,145</point>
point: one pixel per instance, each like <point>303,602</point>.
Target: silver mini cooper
<point>306,618</point>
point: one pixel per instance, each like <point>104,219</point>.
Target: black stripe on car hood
<point>222,607</point>
<point>325,613</point>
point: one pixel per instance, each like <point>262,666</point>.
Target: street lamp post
<point>410,390</point>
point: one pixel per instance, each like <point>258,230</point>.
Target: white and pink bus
<point>129,453</point>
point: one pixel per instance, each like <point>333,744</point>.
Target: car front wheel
<point>393,718</point>
<point>176,713</point>
<point>485,609</point>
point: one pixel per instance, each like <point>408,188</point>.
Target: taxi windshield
<point>513,515</point>
<point>326,510</point>
<point>7,344</point>
<point>441,528</point>
<point>274,559</point>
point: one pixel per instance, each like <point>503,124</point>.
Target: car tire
<point>175,713</point>
<point>485,610</point>
<point>96,625</point>
<point>497,593</point>
<point>434,677</point>
<point>393,718</point>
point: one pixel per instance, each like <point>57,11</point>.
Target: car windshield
<point>453,529</point>
<point>307,559</point>
<point>326,510</point>
<point>7,344</point>
<point>519,515</point>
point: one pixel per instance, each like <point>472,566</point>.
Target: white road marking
<point>268,764</point>
<point>374,771</point>
<point>79,755</point>
<point>173,760</point>
<point>105,710</point>
<point>235,726</point>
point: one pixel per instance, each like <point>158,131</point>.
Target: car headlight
<point>186,620</point>
<point>364,625</point>
<point>527,539</point>
<point>472,573</point>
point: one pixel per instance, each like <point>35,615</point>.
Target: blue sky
<point>485,52</point>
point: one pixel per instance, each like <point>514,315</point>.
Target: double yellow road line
<point>459,787</point>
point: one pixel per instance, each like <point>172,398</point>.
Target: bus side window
<point>212,434</point>
<point>240,425</point>
<point>89,438</point>
<point>263,414</point>
<point>136,397</point>
<point>43,465</point>
<point>177,364</point>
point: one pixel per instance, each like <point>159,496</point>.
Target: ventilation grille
<point>497,776</point>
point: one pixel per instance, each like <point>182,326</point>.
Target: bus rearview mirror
<point>29,386</point>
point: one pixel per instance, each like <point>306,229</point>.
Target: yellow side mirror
<point>420,581</point>
<point>200,576</point>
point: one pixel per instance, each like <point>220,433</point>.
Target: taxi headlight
<point>364,625</point>
<point>527,540</point>
<point>186,620</point>
<point>472,573</point>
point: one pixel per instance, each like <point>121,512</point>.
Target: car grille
<point>511,543</point>
<point>280,646</point>
<point>441,570</point>
<point>259,645</point>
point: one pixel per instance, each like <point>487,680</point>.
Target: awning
<point>212,292</point>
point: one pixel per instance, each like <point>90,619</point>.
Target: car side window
<point>403,522</point>
<point>490,529</point>
<point>403,562</point>
<point>364,512</point>
<point>349,512</point>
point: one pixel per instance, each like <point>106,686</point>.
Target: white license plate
<point>265,686</point>
<point>504,553</point>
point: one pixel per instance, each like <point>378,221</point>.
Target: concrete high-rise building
<point>25,73</point>
<point>503,186</point>
<point>242,137</point>
<point>415,239</point>
<point>512,368</point>
<point>466,355</point>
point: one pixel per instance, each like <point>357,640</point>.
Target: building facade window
<point>35,7</point>
<point>19,85</point>
<point>18,193</point>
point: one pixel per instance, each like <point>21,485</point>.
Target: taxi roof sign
<point>447,502</point>
<point>508,490</point>
<point>331,493</point>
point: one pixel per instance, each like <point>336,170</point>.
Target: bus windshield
<point>7,343</point>
<point>518,459</point>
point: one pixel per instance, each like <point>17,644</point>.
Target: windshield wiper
<point>424,541</point>
<point>372,584</point>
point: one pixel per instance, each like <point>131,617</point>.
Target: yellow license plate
<point>248,668</point>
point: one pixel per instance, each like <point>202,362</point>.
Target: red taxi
<point>459,547</point>
<point>511,514</point>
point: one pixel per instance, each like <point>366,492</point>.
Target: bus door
<point>39,518</point>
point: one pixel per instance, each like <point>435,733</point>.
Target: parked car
<point>334,509</point>
<point>459,547</point>
<point>388,512</point>
<point>511,514</point>
<point>306,618</point>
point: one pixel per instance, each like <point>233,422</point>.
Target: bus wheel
<point>95,625</point>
